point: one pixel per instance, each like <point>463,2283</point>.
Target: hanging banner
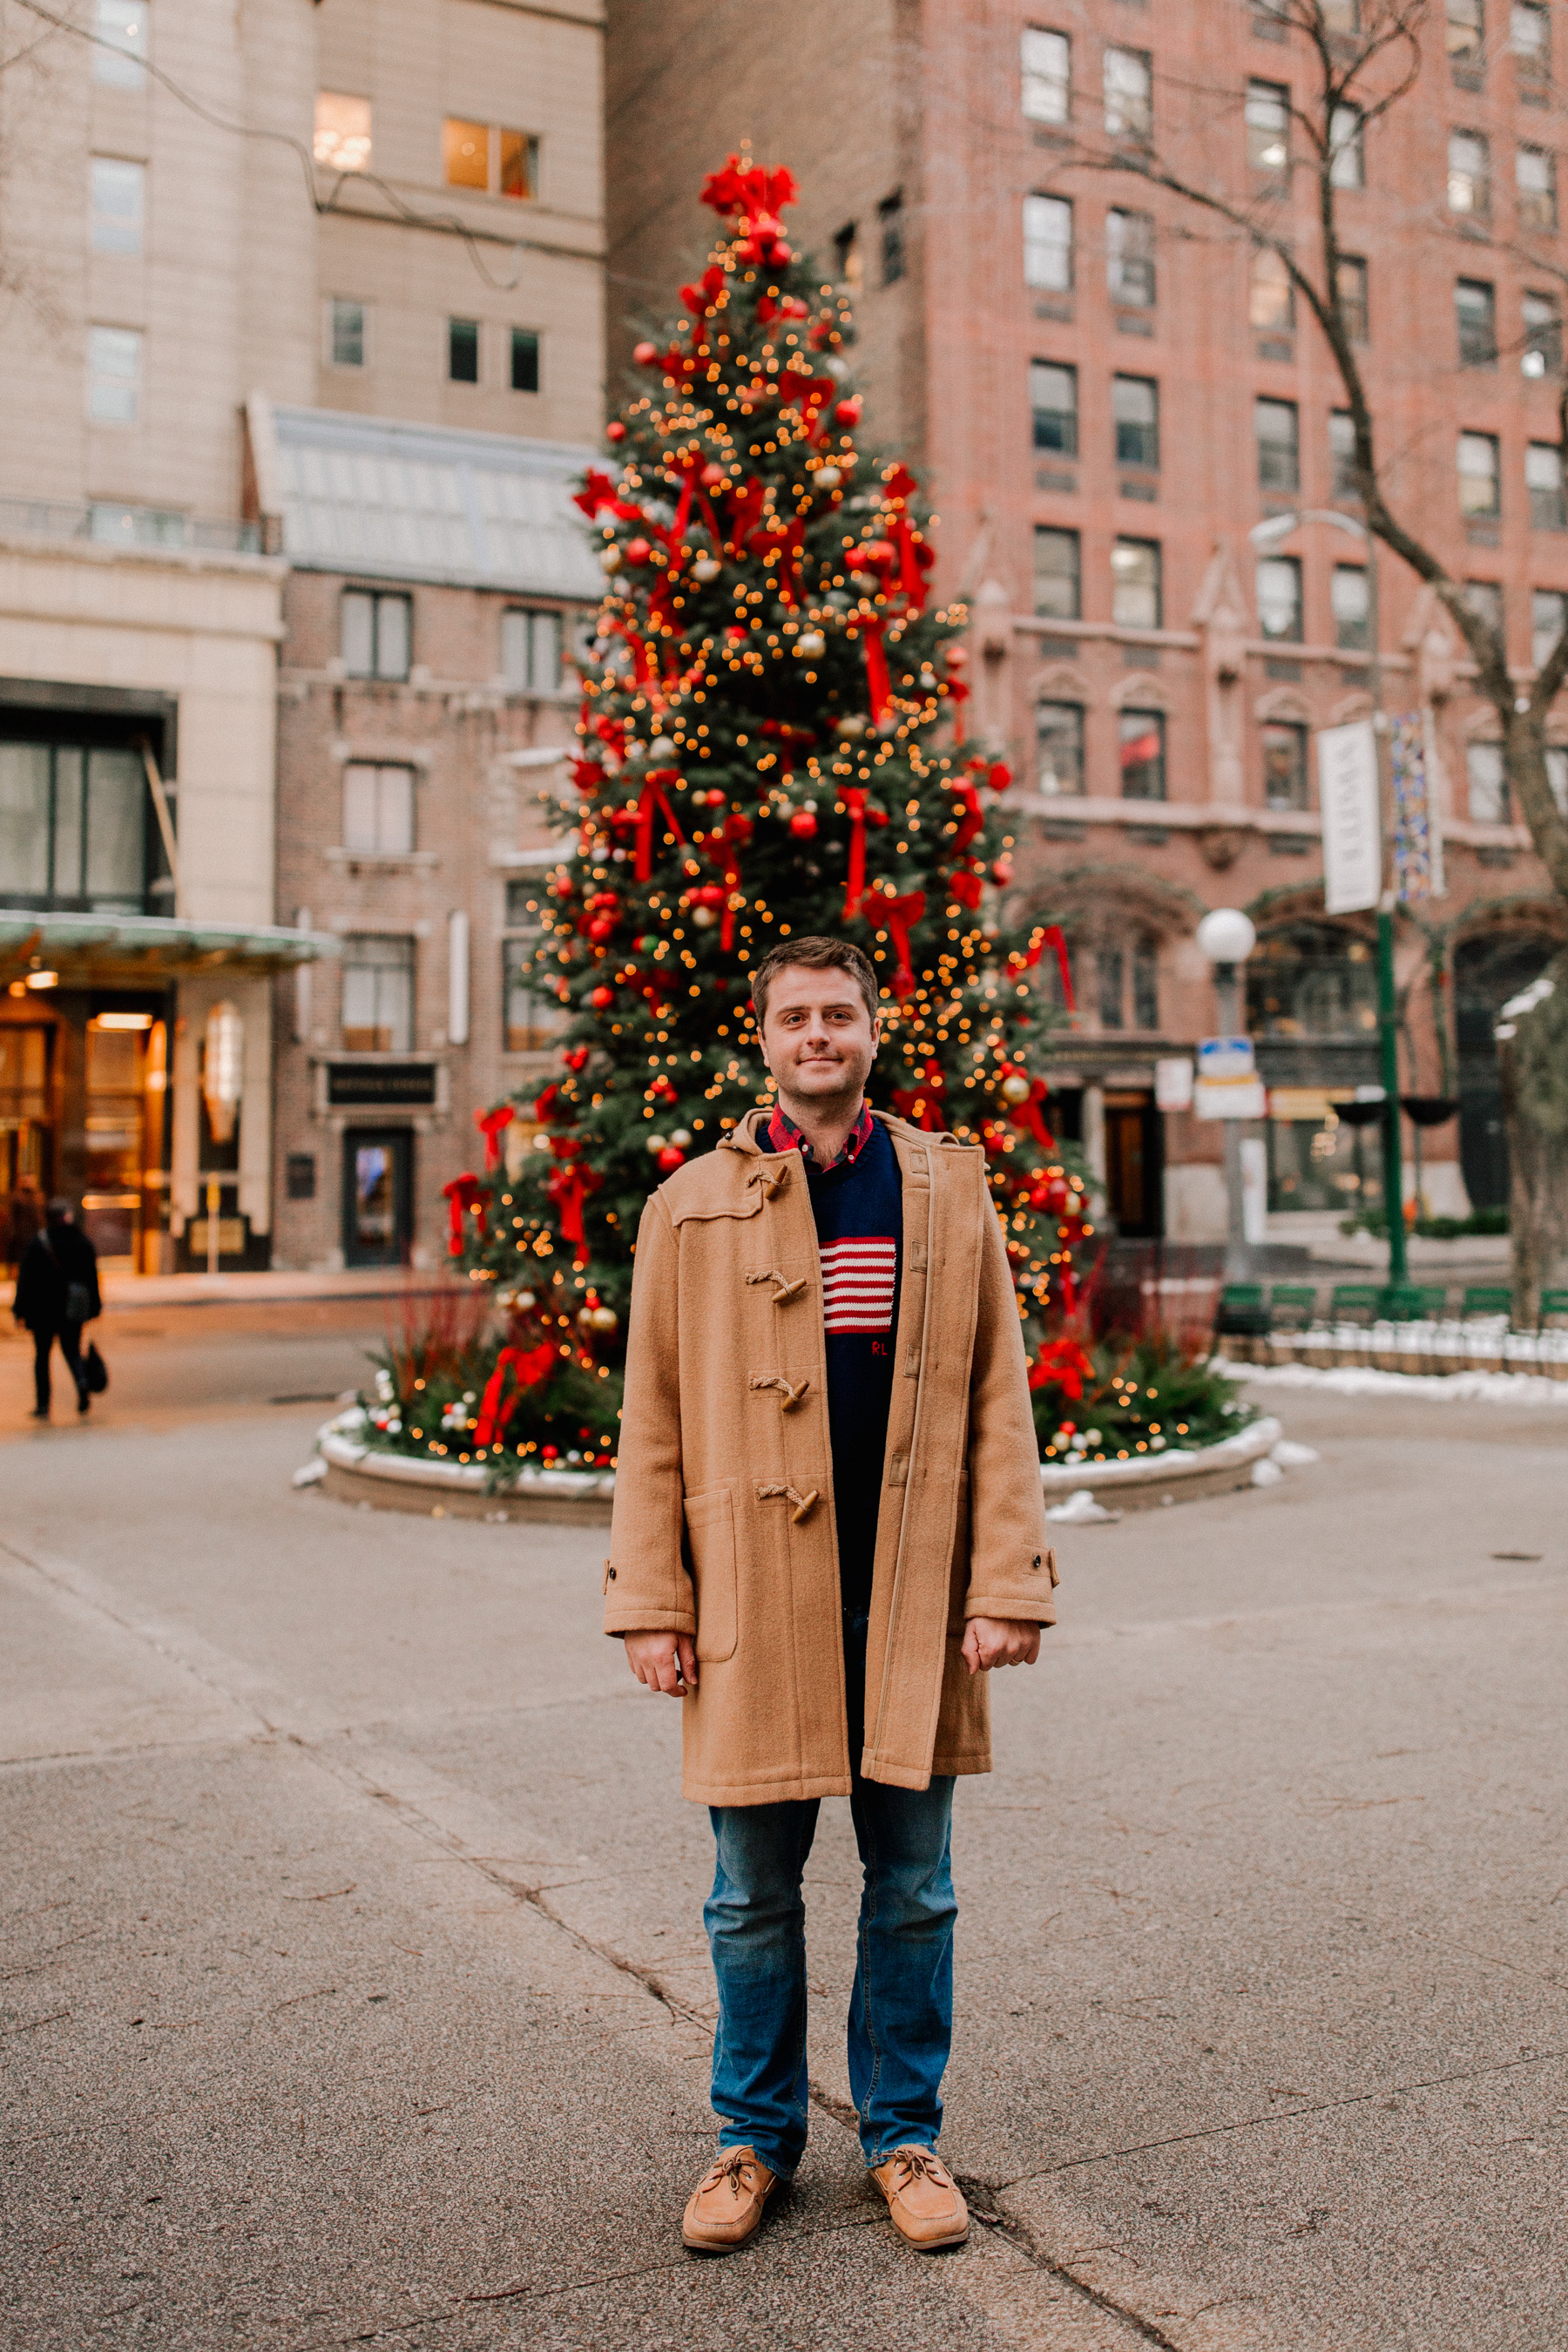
<point>1417,826</point>
<point>1353,833</point>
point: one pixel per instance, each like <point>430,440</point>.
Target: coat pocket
<point>711,1540</point>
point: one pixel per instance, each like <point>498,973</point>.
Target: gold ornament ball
<point>605,1319</point>
<point>1016,1089</point>
<point>829,477</point>
<point>654,1142</point>
<point>681,1139</point>
<point>610,561</point>
<point>703,917</point>
<point>811,642</point>
<point>706,568</point>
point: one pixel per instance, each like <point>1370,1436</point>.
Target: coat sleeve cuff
<point>626,1617</point>
<point>1025,1608</point>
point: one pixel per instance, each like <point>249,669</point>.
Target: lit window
<point>1480,486</point>
<point>1271,299</point>
<point>1352,607</point>
<point>1135,415</point>
<point>1548,619</point>
<point>1280,598</point>
<point>1529,37</point>
<point>1053,403</point>
<point>1347,160</point>
<point>1465,31</point>
<point>1048,244</point>
<point>1129,95</point>
<point>1353,305</point>
<point>1542,320</point>
<point>113,375</point>
<point>1488,783</point>
<point>1130,258</point>
<point>375,633</point>
<point>378,809</point>
<point>1268,127</point>
<point>1474,314</point>
<point>1535,174</point>
<point>1057,587</point>
<point>343,131</point>
<point>466,153</point>
<point>524,360</point>
<point>463,350</point>
<point>1135,583</point>
<point>484,155</point>
<point>518,165</point>
<point>345,333</point>
<point>119,50</point>
<point>530,651</point>
<point>1279,451</point>
<point>1469,173</point>
<point>1058,733</point>
<point>1284,766</point>
<point>1047,62</point>
<point>1543,481</point>
<point>118,195</point>
<point>378,994</point>
<point>1142,751</point>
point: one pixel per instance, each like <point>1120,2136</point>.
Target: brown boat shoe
<point>726,2206</point>
<point>924,2201</point>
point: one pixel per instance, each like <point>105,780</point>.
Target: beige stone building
<point>227,237</point>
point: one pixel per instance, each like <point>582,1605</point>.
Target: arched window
<point>1312,980</point>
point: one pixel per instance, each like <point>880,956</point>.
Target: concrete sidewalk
<point>122,1291</point>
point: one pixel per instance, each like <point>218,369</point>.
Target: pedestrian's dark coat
<point>724,1523</point>
<point>53,1260</point>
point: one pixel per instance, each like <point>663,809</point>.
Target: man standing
<point>829,1528</point>
<point>56,1293</point>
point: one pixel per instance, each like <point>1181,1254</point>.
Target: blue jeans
<point>901,2006</point>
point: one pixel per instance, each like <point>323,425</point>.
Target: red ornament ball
<point>670,1159</point>
<point>616,432</point>
<point>601,928</point>
<point>645,354</point>
<point>803,824</point>
<point>712,476</point>
<point>638,550</point>
<point>577,1059</point>
<point>601,999</point>
<point>848,411</point>
<point>711,894</point>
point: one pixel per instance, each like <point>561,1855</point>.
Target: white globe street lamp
<point>1227,937</point>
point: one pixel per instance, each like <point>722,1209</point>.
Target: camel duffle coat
<point>724,1524</point>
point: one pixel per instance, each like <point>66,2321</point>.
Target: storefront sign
<point>1353,830</point>
<point>384,1084</point>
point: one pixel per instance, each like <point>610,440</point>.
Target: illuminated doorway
<point>378,1194</point>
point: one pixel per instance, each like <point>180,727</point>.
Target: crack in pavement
<point>984,2206</point>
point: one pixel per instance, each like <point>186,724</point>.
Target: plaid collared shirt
<point>782,1135</point>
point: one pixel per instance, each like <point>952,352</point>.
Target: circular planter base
<point>1149,1482</point>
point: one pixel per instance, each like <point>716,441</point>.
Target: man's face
<point>819,1039</point>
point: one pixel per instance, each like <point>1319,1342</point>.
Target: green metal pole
<point>1392,1157</point>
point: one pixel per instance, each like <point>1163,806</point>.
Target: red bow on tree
<point>463,1193</point>
<point>490,1123</point>
<point>725,848</point>
<point>654,798</point>
<point>899,914</point>
<point>531,1366</point>
<point>1064,1365</point>
<point>920,1103</point>
<point>1028,1114</point>
<point>1051,937</point>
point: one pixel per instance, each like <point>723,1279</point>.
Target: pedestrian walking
<point>828,1529</point>
<point>56,1293</point>
<point>24,1218</point>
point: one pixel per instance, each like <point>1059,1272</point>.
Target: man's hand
<point>994,1642</point>
<point>665,1662</point>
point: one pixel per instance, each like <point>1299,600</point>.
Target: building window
<point>342,140</point>
<point>1111,971</point>
<point>846,255</point>
<point>1480,484</point>
<point>119,50</point>
<point>1058,732</point>
<point>73,829</point>
<point>378,810</point>
<point>1053,403</point>
<point>1145,983</point>
<point>1128,96</point>
<point>113,375</point>
<point>1343,17</point>
<point>1487,785</point>
<point>1543,480</point>
<point>1529,37</point>
<point>1141,749</point>
<point>524,360</point>
<point>530,651</point>
<point>1352,606</point>
<point>1135,413</point>
<point>1272,298</point>
<point>1047,64</point>
<point>1484,598</point>
<point>1557,775</point>
<point>118,193</point>
<point>375,633</point>
<point>891,220</point>
<point>1280,597</point>
<point>1268,127</point>
<point>1347,160</point>
<point>1354,307</point>
<point>1469,174</point>
<point>1548,619</point>
<point>1474,314</point>
<point>483,155</point>
<point>1341,453</point>
<point>1135,583</point>
<point>346,336</point>
<point>378,994</point>
<point>1048,244</point>
<point>1278,445</point>
<point>528,1022</point>
<point>1535,178</point>
<point>462,350</point>
<point>1130,258</point>
<point>1466,32</point>
<point>1284,766</point>
<point>1057,575</point>
<point>1543,320</point>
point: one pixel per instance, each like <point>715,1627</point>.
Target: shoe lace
<point>733,2167</point>
<point>920,2164</point>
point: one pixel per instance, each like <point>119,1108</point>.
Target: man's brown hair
<point>814,955</point>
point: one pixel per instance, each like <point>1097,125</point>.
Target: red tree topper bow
<point>899,914</point>
<point>531,1366</point>
<point>1064,1365</point>
<point>464,1193</point>
<point>748,188</point>
<point>490,1123</point>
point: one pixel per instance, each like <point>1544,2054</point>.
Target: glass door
<point>378,1171</point>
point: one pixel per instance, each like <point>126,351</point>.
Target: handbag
<point>95,1370</point>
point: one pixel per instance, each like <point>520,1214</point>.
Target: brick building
<point>1107,393</point>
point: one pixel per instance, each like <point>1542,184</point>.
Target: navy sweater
<point>857,1206</point>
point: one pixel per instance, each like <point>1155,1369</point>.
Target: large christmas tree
<point>771,744</point>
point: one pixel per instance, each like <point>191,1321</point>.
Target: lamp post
<point>1227,937</point>
<point>1268,534</point>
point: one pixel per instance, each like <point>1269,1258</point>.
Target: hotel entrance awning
<point>123,951</point>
